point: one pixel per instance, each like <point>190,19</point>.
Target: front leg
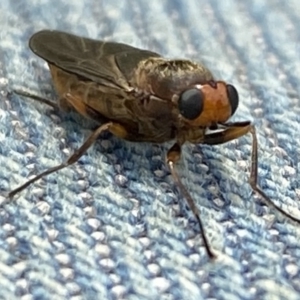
<point>233,131</point>
<point>173,157</point>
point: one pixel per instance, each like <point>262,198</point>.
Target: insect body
<point>139,96</point>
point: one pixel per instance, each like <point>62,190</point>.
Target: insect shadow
<point>139,96</point>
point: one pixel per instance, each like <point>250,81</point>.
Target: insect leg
<point>112,127</point>
<point>234,131</point>
<point>173,156</point>
<point>37,98</point>
<point>231,132</point>
<point>253,178</point>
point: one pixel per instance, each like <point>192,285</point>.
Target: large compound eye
<point>233,97</point>
<point>190,103</point>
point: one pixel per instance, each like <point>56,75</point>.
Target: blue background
<point>114,226</point>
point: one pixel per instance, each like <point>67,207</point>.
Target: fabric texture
<point>113,225</point>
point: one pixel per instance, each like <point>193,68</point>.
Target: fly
<point>140,96</point>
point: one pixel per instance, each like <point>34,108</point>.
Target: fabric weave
<point>113,225</point>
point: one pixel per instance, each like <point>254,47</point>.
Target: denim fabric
<point>113,225</point>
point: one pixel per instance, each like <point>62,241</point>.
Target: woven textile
<point>113,225</point>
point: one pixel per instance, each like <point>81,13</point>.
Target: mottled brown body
<point>136,88</point>
<point>148,118</point>
<point>140,96</point>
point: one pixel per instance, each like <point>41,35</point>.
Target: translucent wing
<point>102,62</point>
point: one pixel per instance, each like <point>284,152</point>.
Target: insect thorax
<point>164,78</point>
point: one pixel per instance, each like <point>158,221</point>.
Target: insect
<point>140,96</point>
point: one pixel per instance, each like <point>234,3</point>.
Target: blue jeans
<point>113,225</point>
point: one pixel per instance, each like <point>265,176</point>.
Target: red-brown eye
<point>233,97</point>
<point>190,103</point>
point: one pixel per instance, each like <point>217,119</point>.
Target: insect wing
<point>98,61</point>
